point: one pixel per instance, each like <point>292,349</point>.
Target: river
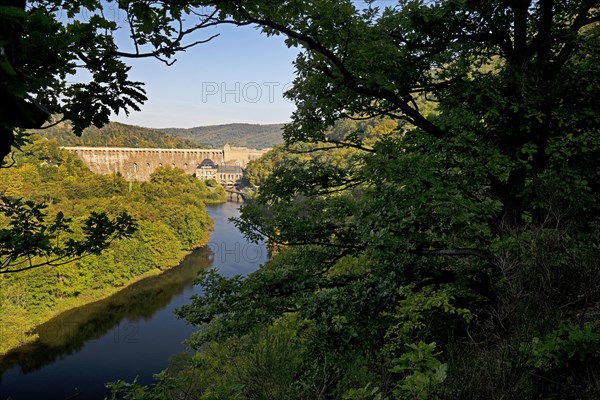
<point>131,334</point>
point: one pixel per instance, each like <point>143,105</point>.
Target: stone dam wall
<point>137,164</point>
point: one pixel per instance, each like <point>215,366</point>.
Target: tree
<point>487,195</point>
<point>465,57</point>
<point>29,241</point>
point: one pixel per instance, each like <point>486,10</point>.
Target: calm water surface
<point>131,334</point>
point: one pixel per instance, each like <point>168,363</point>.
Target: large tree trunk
<point>510,194</point>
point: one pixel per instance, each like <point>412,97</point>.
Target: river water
<point>131,334</point>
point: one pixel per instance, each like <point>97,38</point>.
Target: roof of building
<point>232,169</point>
<point>207,162</point>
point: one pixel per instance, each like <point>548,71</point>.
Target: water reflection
<point>67,333</point>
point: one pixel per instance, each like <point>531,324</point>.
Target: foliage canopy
<point>470,228</point>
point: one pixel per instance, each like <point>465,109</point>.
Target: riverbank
<point>133,333</point>
<point>20,327</point>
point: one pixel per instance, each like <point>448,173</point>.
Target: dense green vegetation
<point>454,256</point>
<point>171,220</point>
<point>257,171</point>
<point>115,134</point>
<point>253,136</point>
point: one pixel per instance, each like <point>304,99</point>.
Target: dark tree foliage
<point>473,226</point>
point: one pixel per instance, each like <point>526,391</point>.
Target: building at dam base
<point>226,175</point>
<point>138,163</point>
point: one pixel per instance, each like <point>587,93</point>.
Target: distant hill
<point>246,135</point>
<point>116,134</point>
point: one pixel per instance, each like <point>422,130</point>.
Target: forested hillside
<point>115,134</point>
<point>253,136</point>
<point>171,220</point>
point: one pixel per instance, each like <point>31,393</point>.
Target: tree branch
<point>352,82</point>
<point>342,144</point>
<point>306,243</point>
<point>580,21</point>
<point>485,255</point>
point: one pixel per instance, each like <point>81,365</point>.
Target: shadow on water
<point>68,332</point>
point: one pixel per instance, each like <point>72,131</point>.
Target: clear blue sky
<point>237,77</point>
